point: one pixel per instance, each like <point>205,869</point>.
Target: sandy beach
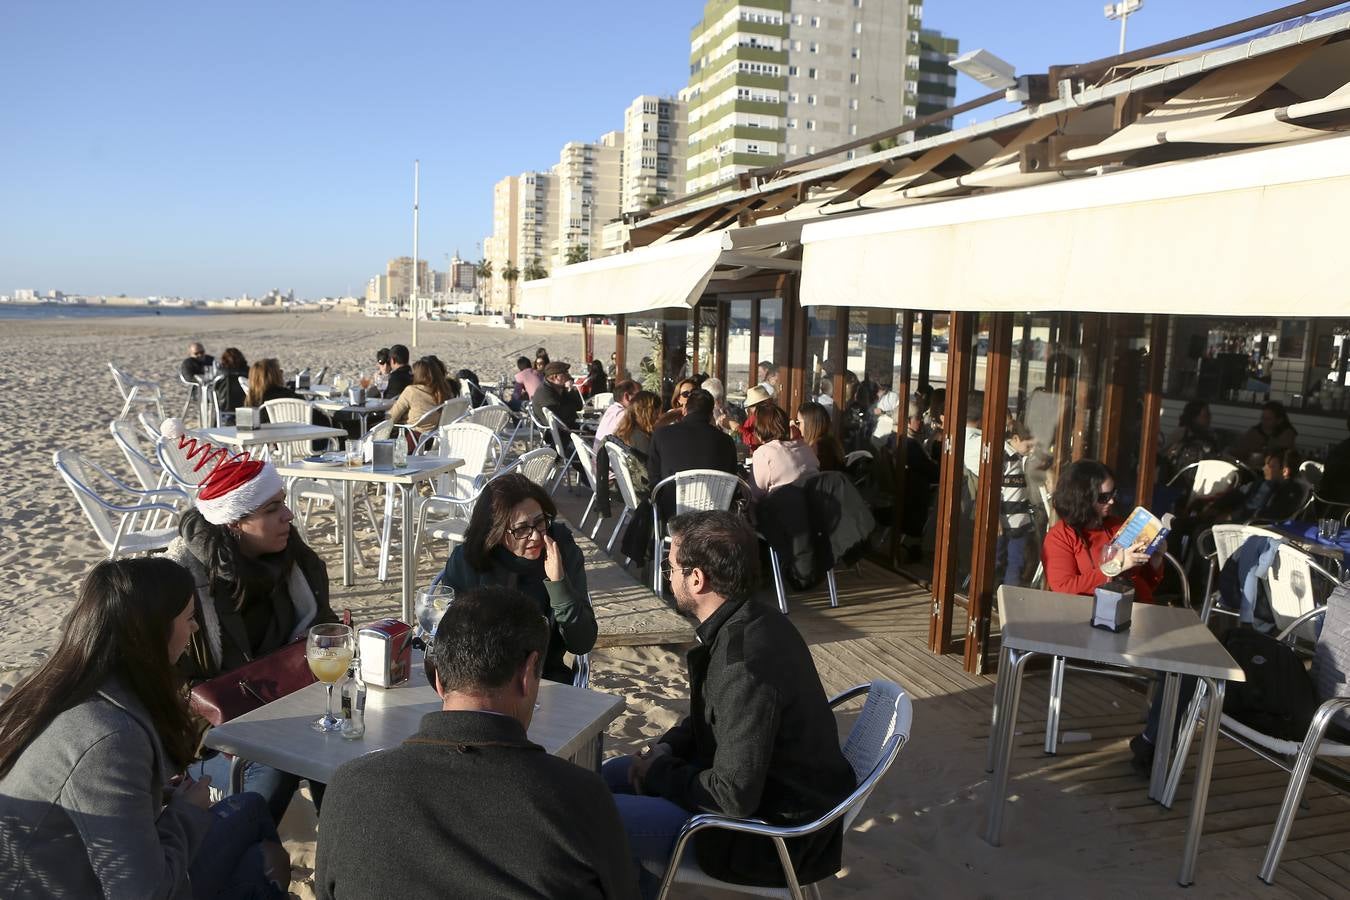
<point>919,834</point>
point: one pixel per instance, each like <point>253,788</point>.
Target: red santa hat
<point>235,488</point>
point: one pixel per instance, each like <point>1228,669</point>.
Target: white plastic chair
<point>294,412</point>
<point>1311,471</point>
<point>480,449</point>
<point>1295,757</point>
<point>128,439</point>
<point>876,739</point>
<point>1227,538</point>
<point>1211,477</point>
<point>602,400</point>
<point>696,490</point>
<point>186,469</point>
<point>1291,583</point>
<point>620,467</point>
<point>496,418</point>
<point>120,537</point>
<point>136,392</point>
<point>581,451</point>
<point>194,389</point>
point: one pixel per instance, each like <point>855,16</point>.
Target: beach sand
<point>919,834</point>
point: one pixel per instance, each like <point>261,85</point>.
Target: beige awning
<point>1253,233</point>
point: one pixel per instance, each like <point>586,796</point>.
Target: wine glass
<point>430,604</point>
<point>329,651</point>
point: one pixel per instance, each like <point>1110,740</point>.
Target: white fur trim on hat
<point>242,498</point>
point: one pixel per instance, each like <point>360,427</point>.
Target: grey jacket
<point>82,812</point>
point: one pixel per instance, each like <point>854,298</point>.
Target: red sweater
<point>1073,566</point>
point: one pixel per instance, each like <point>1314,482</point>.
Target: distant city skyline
<point>176,150</point>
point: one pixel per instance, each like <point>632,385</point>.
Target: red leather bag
<point>253,684</point>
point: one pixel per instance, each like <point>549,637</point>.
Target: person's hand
<point>198,793</point>
<point>1134,556</point>
<point>553,566</point>
<point>642,763</point>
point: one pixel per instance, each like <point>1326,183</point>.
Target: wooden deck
<point>1078,823</point>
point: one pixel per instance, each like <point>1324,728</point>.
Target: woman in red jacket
<point>1072,551</point>
<point>1072,554</point>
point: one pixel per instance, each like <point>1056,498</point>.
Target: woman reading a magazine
<point>1075,549</point>
<point>1073,555</point>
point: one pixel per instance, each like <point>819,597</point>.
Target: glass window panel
<point>658,349</point>
<point>739,326</point>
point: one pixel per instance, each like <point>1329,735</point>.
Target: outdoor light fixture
<point>987,69</point>
<point>1122,11</point>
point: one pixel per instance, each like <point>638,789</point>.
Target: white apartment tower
<point>587,186</point>
<point>654,133</point>
<point>771,80</point>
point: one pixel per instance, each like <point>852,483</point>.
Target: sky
<point>215,149</point>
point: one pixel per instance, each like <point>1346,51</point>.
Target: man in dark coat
<point>760,740</point>
<point>694,442</point>
<point>556,394</point>
<point>197,363</point>
<point>400,376</point>
<point>468,806</point>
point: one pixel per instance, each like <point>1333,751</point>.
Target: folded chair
<point>115,523</point>
<point>880,732</point>
<point>136,392</point>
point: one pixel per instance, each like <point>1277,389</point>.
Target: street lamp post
<point>416,171</point>
<point>1122,10</point>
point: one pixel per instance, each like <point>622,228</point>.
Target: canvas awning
<point>1252,233</point>
<point>661,275</point>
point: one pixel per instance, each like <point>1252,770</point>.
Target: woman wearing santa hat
<point>258,587</point>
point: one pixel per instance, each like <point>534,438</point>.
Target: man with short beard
<point>760,740</point>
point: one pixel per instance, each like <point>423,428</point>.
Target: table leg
<point>1056,696</point>
<point>236,775</point>
<point>405,538</point>
<point>1162,741</point>
<point>996,717</point>
<point>1204,767</point>
<point>998,787</point>
<point>348,538</point>
<point>1183,747</point>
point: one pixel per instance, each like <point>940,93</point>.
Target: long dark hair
<point>120,627</point>
<point>492,515</point>
<point>1191,411</point>
<point>814,421</point>
<point>1075,496</point>
<point>430,374</point>
<point>1282,422</point>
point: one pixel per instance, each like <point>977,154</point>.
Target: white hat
<point>756,395</point>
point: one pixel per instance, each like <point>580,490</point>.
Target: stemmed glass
<point>329,651</point>
<point>430,604</point>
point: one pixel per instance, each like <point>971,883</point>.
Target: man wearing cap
<point>556,394</point>
<point>753,397</point>
<point>198,362</point>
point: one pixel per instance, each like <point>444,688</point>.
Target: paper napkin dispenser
<point>247,418</point>
<point>1112,605</point>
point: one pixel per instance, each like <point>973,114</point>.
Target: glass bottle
<point>354,702</point>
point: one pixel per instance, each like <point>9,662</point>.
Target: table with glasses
<point>405,478</point>
<point>1333,550</point>
<point>270,433</point>
<point>340,407</point>
<point>569,722</point>
<point>1166,639</point>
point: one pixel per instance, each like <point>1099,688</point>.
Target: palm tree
<point>535,270</point>
<point>510,274</point>
<point>483,275</point>
<point>578,253</point>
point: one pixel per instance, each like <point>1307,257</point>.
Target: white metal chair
<point>301,412</point>
<point>294,412</point>
<point>194,389</point>
<point>1295,757</point>
<point>560,443</point>
<point>876,739</point>
<point>136,392</point>
<point>620,467</point>
<point>120,537</point>
<point>582,452</point>
<point>150,424</point>
<point>697,490</point>
<point>539,465</point>
<point>602,400</point>
<point>480,449</point>
<point>128,440</point>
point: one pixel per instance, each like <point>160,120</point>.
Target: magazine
<point>1142,525</point>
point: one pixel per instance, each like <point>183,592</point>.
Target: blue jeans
<point>275,786</point>
<point>229,865</point>
<point>1184,694</point>
<point>652,824</point>
<point>1011,553</point>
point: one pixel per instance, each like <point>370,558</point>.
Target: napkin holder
<point>382,456</point>
<point>302,381</point>
<point>1112,605</point>
<point>356,396</point>
<point>247,418</point>
<point>385,646</point>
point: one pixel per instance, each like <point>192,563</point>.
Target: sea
<point>71,311</point>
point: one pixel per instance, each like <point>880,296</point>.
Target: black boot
<point>1141,758</point>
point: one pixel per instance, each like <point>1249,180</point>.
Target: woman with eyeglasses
<point>514,540</point>
<point>1074,550</point>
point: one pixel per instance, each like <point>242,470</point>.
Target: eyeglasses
<point>1106,497</point>
<point>668,570</point>
<point>523,531</point>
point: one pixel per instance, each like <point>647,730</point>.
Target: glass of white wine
<point>329,651</point>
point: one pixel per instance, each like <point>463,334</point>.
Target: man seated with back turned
<point>468,806</point>
<point>400,373</point>
<point>197,363</point>
<point>527,381</point>
<point>693,442</point>
<point>760,740</point>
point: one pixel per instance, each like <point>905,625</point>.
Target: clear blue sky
<point>206,149</point>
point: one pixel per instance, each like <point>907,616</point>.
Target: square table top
<point>270,433</point>
<point>279,734</point>
<point>417,469</point>
<point>1163,638</point>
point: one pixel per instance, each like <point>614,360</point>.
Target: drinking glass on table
<point>1329,529</point>
<point>429,605</point>
<point>329,650</point>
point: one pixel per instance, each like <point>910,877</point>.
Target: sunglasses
<point>684,395</point>
<point>523,531</point>
<point>1106,497</point>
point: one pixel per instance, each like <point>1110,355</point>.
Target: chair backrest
<point>381,431</point>
<point>1228,538</point>
<point>586,456</point>
<point>881,730</point>
<point>1290,583</point>
<point>477,445</point>
<point>700,490</point>
<point>122,380</point>
<point>619,462</point>
<point>1311,470</point>
<point>188,472</point>
<point>243,383</point>
<point>150,423</point>
<point>453,409</point>
<point>128,439</point>
<point>294,412</point>
<point>539,465</point>
<point>556,428</point>
<point>602,400</point>
<point>493,399</point>
<point>495,418</point>
<point>854,455</point>
<point>1213,476</point>
<point>77,473</point>
<point>320,375</point>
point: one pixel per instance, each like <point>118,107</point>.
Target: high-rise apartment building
<point>937,79</point>
<point>400,275</point>
<point>502,248</point>
<point>587,186</point>
<point>538,218</point>
<point>524,230</point>
<point>463,275</point>
<point>655,130</point>
<point>770,80</point>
